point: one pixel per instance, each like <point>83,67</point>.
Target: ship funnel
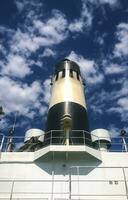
<point>67,105</point>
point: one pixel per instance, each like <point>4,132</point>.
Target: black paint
<point>79,122</point>
<point>67,63</point>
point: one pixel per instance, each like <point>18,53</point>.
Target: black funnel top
<point>63,64</point>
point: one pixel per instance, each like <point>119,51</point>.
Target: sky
<point>36,34</point>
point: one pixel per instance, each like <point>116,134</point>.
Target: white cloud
<point>29,6</point>
<point>123,103</point>
<point>121,47</point>
<point>19,97</point>
<point>95,78</point>
<point>43,111</point>
<point>114,69</point>
<point>3,124</point>
<point>112,102</point>
<point>76,26</point>
<point>97,103</point>
<point>46,90</point>
<point>48,52</point>
<point>20,5</point>
<point>86,17</point>
<point>86,14</point>
<point>3,51</point>
<point>36,63</point>
<point>54,25</point>
<point>121,111</point>
<point>119,101</point>
<point>124,88</point>
<point>51,32</point>
<point>4,29</point>
<point>85,20</point>
<point>110,2</point>
<point>23,42</point>
<point>88,68</point>
<point>114,131</point>
<point>16,66</point>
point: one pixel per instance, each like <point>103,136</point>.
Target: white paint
<point>34,133</point>
<point>101,137</point>
<point>50,173</point>
<point>67,89</point>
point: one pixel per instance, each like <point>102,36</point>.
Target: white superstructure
<point>64,172</point>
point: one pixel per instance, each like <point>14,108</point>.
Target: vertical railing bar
<point>124,144</point>
<point>51,138</point>
<point>12,190</point>
<point>2,142</point>
<point>78,182</point>
<point>125,182</point>
<point>52,185</point>
<point>99,144</point>
<point>84,137</point>
<point>70,183</point>
<point>123,169</point>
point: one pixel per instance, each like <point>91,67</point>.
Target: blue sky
<point>35,35</point>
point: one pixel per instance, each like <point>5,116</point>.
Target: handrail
<point>125,181</point>
<point>70,181</point>
<point>117,143</point>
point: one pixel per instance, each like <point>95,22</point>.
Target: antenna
<point>10,144</point>
<point>1,111</point>
<point>15,118</point>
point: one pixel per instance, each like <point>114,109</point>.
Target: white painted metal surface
<point>100,134</point>
<point>34,133</point>
<point>102,138</point>
<point>66,87</point>
<point>62,172</point>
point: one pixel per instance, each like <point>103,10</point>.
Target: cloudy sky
<point>36,34</point>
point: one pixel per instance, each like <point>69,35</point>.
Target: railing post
<point>78,182</point>
<point>99,144</point>
<point>125,182</point>
<point>51,138</point>
<point>12,190</point>
<point>124,145</point>
<point>52,185</point>
<point>69,183</point>
<point>84,137</point>
<point>2,142</point>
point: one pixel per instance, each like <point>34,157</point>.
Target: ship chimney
<point>67,109</point>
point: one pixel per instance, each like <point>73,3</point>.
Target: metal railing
<point>111,187</point>
<point>78,185</point>
<point>57,137</point>
<point>36,189</point>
